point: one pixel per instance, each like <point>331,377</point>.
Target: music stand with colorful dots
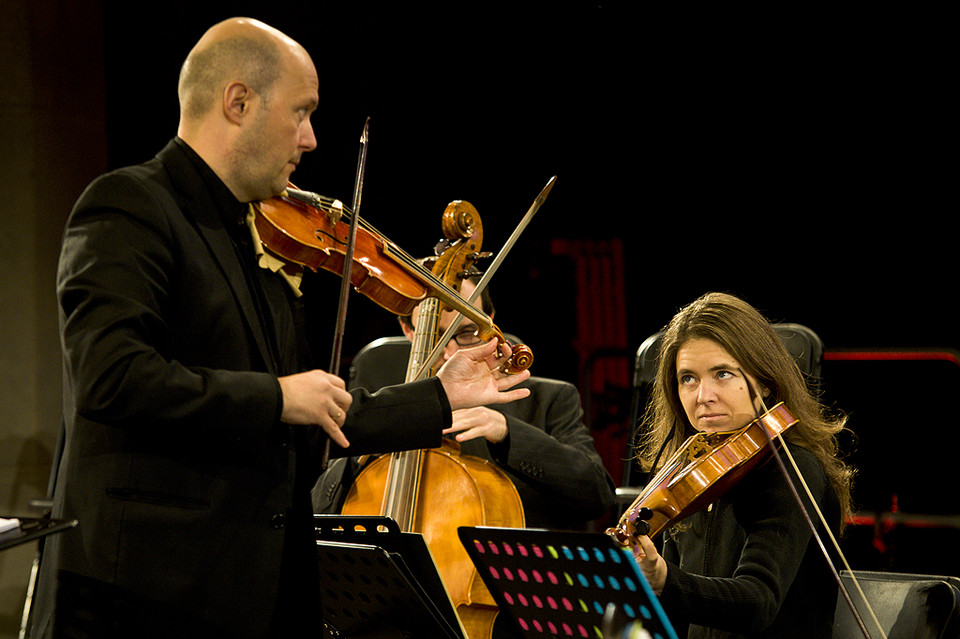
<point>565,584</point>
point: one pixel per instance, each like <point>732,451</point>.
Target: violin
<point>312,231</point>
<point>706,466</point>
<point>709,464</point>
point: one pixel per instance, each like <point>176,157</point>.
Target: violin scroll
<point>635,523</point>
<point>520,359</point>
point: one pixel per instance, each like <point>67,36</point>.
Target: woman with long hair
<point>747,565</point>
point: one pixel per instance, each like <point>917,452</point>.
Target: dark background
<point>797,159</point>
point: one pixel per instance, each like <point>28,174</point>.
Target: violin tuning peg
<point>470,272</point>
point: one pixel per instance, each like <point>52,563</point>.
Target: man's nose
<point>450,349</point>
<point>308,139</point>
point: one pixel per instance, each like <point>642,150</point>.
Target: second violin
<point>706,466</point>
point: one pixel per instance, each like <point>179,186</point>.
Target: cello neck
<point>403,480</point>
<point>424,338</point>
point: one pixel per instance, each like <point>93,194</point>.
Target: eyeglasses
<point>467,337</point>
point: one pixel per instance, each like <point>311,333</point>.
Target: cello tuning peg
<point>480,255</point>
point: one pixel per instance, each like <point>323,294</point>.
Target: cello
<point>435,491</point>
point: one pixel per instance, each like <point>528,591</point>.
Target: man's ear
<point>236,101</point>
<point>407,331</point>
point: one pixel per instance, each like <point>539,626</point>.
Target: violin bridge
<point>334,212</point>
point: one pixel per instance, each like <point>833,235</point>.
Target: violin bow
<point>347,266</point>
<point>487,275</point>
<point>810,523</point>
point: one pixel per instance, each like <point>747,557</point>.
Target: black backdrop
<point>796,159</point>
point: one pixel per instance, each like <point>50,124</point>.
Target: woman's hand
<point>653,566</point>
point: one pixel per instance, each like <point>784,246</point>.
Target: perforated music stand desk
<point>562,584</point>
<point>377,581</point>
<point>33,528</point>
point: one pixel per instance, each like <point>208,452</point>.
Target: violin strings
<point>408,260</point>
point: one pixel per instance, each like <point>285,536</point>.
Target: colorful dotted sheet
<point>560,584</point>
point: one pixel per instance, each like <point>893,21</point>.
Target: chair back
<point>907,606</point>
<point>383,362</point>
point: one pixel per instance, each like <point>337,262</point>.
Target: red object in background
<point>601,342</point>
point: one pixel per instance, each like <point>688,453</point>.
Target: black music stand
<point>377,581</point>
<point>565,584</point>
<point>33,528</point>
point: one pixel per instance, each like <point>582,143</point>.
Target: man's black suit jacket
<point>176,463</point>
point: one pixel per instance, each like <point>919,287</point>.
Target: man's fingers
<point>505,397</point>
<point>332,429</point>
<point>337,416</point>
<point>509,381</point>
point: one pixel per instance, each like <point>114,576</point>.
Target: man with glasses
<point>540,442</point>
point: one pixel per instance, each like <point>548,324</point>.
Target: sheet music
<point>9,524</point>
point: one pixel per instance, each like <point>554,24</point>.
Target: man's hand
<point>472,378</point>
<point>316,398</point>
<point>479,421</point>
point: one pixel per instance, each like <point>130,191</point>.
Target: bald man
<point>195,421</point>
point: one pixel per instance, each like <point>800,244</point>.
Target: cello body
<point>455,490</point>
